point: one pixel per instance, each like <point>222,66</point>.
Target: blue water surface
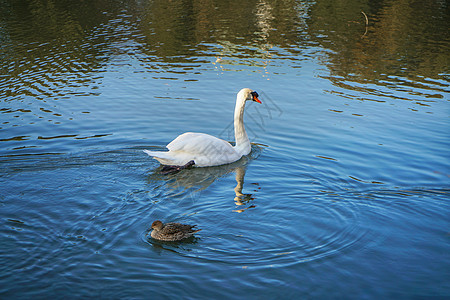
<point>344,195</point>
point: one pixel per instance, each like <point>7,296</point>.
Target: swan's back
<point>194,142</point>
<point>206,149</point>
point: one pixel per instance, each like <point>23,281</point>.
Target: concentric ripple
<point>277,235</point>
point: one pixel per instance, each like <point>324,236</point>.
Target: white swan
<point>204,150</point>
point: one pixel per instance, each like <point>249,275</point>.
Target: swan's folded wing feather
<point>200,144</point>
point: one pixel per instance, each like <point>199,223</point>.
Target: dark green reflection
<point>403,38</point>
<point>56,49</point>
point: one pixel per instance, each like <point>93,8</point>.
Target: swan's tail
<point>163,157</point>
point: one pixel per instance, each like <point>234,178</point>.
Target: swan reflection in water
<point>242,199</point>
<point>197,179</point>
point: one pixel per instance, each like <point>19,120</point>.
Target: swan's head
<point>248,94</point>
<point>157,225</point>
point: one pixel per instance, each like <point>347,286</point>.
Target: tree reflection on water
<point>60,48</point>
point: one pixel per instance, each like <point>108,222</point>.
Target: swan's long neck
<point>242,142</point>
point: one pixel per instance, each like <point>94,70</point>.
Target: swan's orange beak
<point>255,98</point>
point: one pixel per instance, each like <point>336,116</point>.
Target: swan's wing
<point>206,150</point>
<point>201,144</point>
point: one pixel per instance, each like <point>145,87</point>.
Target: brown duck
<point>172,231</point>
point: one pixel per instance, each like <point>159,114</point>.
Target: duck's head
<point>249,94</point>
<point>157,225</point>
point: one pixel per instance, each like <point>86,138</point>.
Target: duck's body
<point>172,231</point>
<point>206,150</point>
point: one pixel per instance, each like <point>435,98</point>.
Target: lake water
<point>347,188</point>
